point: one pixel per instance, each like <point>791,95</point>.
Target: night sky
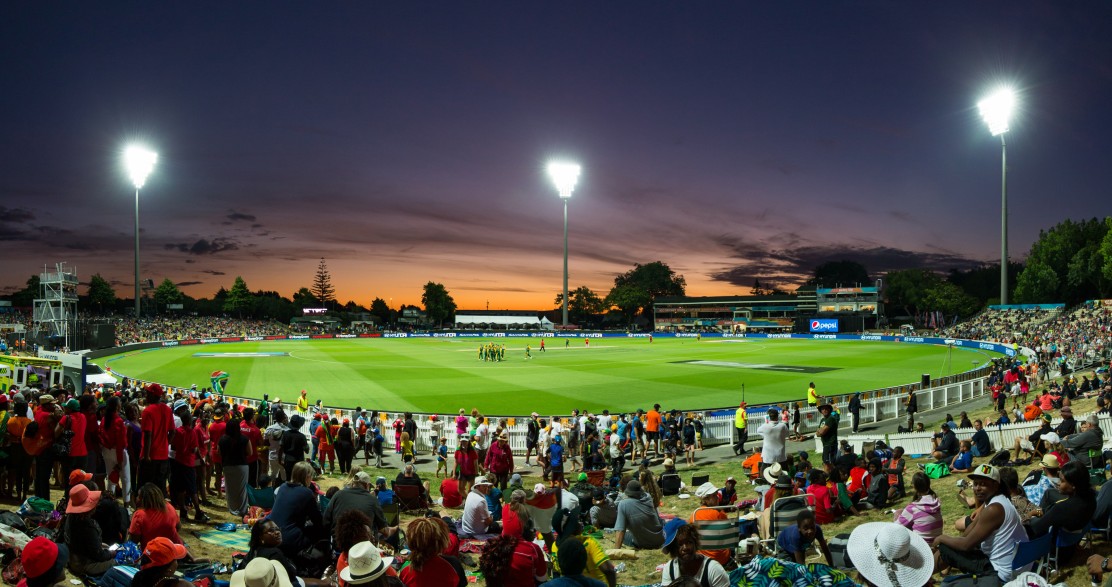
<point>406,141</point>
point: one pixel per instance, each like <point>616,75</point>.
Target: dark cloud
<point>15,215</point>
<point>188,283</point>
<point>790,266</point>
<point>212,272</point>
<point>495,288</point>
<point>240,216</point>
<point>204,246</point>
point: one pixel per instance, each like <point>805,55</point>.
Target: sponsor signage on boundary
<point>824,325</point>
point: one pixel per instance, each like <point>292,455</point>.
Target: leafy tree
<point>167,292</point>
<point>322,285</point>
<point>439,305</point>
<point>1063,264</point>
<point>950,299</point>
<point>1037,284</point>
<point>271,304</point>
<point>303,298</point>
<point>1106,251</point>
<point>843,273</point>
<point>907,289</point>
<point>582,303</point>
<point>641,286</point>
<point>101,294</point>
<point>380,310</point>
<point>239,298</point>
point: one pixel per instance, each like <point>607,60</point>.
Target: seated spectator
<point>981,445</point>
<point>494,497</point>
<point>1009,480</point>
<point>794,541</point>
<point>297,512</point>
<point>44,563</point>
<point>1002,419</point>
<point>1068,425</point>
<point>1038,483</point>
<point>82,535</point>
<point>428,567</point>
<point>894,468</point>
<point>598,566</point>
<point>572,559</point>
<point>823,501</point>
<point>409,476</point>
<point>1088,441</point>
<point>782,488</point>
<point>476,519</point>
<point>923,515</point>
<point>988,545</point>
<point>449,493</point>
<point>681,544</point>
<point>858,480</point>
<point>367,566</point>
<point>1033,444</point>
<point>887,555</point>
<point>155,517</point>
<point>638,524</point>
<point>384,494</point>
<point>708,498</point>
<point>963,461</point>
<point>513,559</point>
<point>159,562</point>
<point>357,496</point>
<point>604,512</point>
<point>728,494</point>
<point>1074,507</point>
<point>847,460</point>
<point>963,421</point>
<point>877,495</point>
<point>266,543</point>
<point>844,505</point>
<point>945,444</point>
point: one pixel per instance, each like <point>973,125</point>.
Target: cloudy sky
<point>406,141</point>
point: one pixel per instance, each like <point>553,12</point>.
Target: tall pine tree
<point>322,285</point>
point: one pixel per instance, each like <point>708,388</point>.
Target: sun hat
<point>1066,410</point>
<point>539,488</point>
<point>706,489</point>
<point>633,489</point>
<point>1050,462</point>
<point>1046,417</point>
<point>987,472</point>
<point>43,559</point>
<point>479,481</point>
<point>261,572</point>
<point>772,473</point>
<point>365,564</point>
<point>180,404</point>
<point>161,551</point>
<point>534,415</point>
<point>46,399</point>
<point>784,481</point>
<point>826,406</point>
<point>669,463</point>
<point>78,476</point>
<point>82,500</point>
<point>154,388</point>
<point>1051,437</point>
<point>890,555</point>
<point>671,529</point>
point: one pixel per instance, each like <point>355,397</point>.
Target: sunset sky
<point>405,142</point>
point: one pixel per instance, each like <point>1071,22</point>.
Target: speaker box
<point>102,336</point>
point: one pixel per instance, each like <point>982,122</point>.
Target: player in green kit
<point>528,352</point>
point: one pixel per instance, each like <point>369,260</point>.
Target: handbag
<point>61,446</point>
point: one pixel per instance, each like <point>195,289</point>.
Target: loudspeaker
<point>926,381</point>
<point>102,336</point>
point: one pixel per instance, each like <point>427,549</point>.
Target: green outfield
<point>445,374</point>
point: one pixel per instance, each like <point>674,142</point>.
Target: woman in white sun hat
<point>888,555</point>
<point>367,566</point>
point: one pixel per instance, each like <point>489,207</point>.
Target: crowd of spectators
<point>129,330</point>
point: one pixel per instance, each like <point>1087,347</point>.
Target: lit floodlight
<point>140,162</point>
<point>564,175</point>
<point>997,109</point>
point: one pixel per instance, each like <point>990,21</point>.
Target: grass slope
<point>619,374</point>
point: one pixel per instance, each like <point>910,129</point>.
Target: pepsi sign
<point>824,325</point>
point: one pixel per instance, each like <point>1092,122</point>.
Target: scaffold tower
<point>55,314</point>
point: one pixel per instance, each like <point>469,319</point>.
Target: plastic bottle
<point>620,567</point>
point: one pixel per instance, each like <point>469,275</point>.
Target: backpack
<point>704,573</point>
<point>1000,458</point>
<point>936,470</point>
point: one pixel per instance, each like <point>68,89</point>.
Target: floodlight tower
<point>139,162</point>
<point>564,175</point>
<point>996,110</point>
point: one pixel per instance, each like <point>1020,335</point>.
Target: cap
<point>41,555</point>
<point>539,488</point>
<point>515,479</point>
<point>160,551</point>
<point>363,477</point>
<point>670,530</point>
<point>1051,437</point>
<point>582,477</point>
<point>46,399</point>
<point>79,476</point>
<point>731,480</point>
<point>72,404</point>
<point>987,472</point>
<point>706,489</point>
<point>153,388</point>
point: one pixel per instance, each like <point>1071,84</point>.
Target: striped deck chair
<point>717,534</point>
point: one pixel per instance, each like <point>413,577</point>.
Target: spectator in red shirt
<point>500,460</point>
<point>154,517</point>
<point>467,464</point>
<point>183,475</point>
<point>428,537</point>
<point>72,425</point>
<point>450,497</point>
<point>88,404</point>
<point>251,430</point>
<point>513,559</point>
<point>216,432</point>
<point>112,435</point>
<point>157,421</point>
<point>201,427</point>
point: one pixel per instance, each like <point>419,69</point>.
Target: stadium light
<point>139,162</point>
<point>564,175</point>
<point>996,110</point>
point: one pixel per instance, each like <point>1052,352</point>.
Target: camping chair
<point>716,534</point>
<point>1063,539</point>
<point>393,513</point>
<point>261,496</point>
<point>670,484</point>
<point>409,498</point>
<point>783,514</point>
<point>1033,551</point>
<point>597,478</point>
<point>697,480</point>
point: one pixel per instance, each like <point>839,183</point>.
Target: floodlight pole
<point>565,262</point>
<point>1003,221</point>
<point>137,254</point>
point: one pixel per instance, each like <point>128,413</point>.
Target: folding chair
<point>393,513</point>
<point>1033,551</point>
<point>697,480</point>
<point>716,534</point>
<point>783,514</point>
<point>670,484</point>
<point>1063,539</point>
<point>409,498</point>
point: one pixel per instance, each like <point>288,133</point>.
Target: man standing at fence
<point>828,432</point>
<point>855,410</point>
<point>813,396</point>
<point>741,423</point>
<point>775,435</point>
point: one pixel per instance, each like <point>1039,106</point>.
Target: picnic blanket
<point>237,541</point>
